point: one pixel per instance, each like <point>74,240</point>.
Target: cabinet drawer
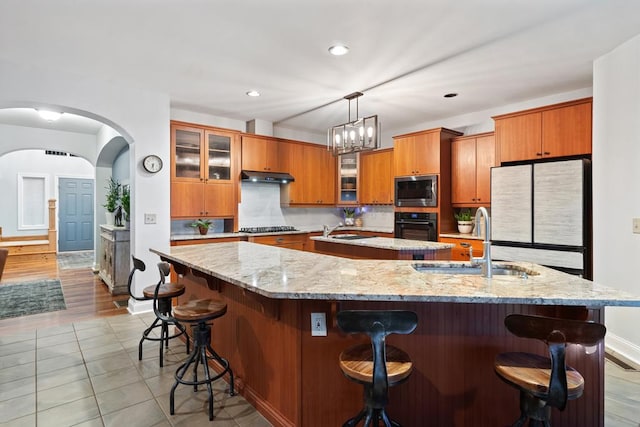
<point>288,240</point>
<point>460,253</point>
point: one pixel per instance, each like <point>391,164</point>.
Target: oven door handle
<point>430,223</point>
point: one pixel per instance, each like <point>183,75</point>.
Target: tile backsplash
<point>260,207</point>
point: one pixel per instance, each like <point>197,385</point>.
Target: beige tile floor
<point>88,374</point>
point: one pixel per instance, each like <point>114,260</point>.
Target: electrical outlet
<point>149,218</point>
<point>318,325</point>
<point>636,225</point>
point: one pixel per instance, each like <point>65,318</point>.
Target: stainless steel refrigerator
<point>541,212</point>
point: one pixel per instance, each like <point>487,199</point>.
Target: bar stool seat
<point>376,365</point>
<point>162,307</point>
<point>356,363</point>
<point>199,313</point>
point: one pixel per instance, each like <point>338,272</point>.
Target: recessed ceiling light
<point>253,93</point>
<point>50,116</point>
<point>338,49</point>
<point>450,95</point>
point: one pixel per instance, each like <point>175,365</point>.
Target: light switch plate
<point>636,225</point>
<point>149,218</point>
<point>318,325</point>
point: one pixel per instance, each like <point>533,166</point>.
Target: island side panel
<point>261,339</point>
<point>453,383</point>
<point>365,252</point>
<point>294,379</point>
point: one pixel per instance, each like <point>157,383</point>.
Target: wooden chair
<point>376,366</point>
<point>545,383</point>
<point>4,253</point>
<point>162,307</point>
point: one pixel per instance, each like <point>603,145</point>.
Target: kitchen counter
<point>271,293</point>
<point>303,230</point>
<point>466,236</point>
<point>288,274</point>
<point>387,243</point>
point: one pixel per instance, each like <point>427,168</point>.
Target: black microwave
<point>419,190</point>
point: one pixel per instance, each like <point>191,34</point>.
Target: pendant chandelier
<point>361,134</point>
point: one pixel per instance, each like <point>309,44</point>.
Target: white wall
<point>616,187</point>
<point>142,118</point>
<point>34,162</point>
<point>14,138</point>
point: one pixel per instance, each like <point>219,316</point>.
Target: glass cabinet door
<point>187,153</point>
<point>348,176</point>
<point>219,156</point>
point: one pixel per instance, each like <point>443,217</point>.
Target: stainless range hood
<point>272,177</point>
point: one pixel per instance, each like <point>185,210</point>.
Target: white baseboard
<point>623,349</point>
<point>138,307</point>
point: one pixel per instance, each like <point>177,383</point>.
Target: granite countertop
<point>281,273</point>
<point>388,243</point>
<point>456,235</point>
<point>196,236</point>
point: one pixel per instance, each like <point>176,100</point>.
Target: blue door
<point>75,225</point>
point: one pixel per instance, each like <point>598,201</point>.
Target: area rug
<point>77,259</point>
<point>23,299</point>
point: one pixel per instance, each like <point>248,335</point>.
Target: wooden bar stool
<point>376,366</point>
<point>162,307</point>
<point>545,382</point>
<point>199,313</point>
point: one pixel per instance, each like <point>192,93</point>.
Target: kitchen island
<point>294,379</point>
<point>364,247</point>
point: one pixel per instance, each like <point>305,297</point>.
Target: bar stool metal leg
<point>201,337</point>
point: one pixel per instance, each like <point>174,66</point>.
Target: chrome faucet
<point>326,230</point>
<point>485,261</point>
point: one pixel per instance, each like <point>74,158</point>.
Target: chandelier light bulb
<point>361,130</point>
<point>370,131</point>
<point>352,135</point>
<point>337,138</point>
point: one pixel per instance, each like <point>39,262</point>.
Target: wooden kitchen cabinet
<point>376,177</point>
<point>461,253</point>
<point>261,154</point>
<point>471,160</point>
<point>204,171</point>
<point>422,152</point>
<point>558,130</point>
<point>348,179</point>
<point>313,168</point>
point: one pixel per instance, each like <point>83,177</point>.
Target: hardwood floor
<point>86,296</point>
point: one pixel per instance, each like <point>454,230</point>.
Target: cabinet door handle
<point>279,240</point>
<point>546,153</point>
<point>538,154</point>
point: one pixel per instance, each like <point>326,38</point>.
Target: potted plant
<point>465,221</point>
<point>125,199</point>
<point>349,216</point>
<point>202,225</point>
<point>114,190</point>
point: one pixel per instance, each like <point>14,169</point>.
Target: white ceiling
<point>405,54</point>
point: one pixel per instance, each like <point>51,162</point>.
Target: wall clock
<point>152,163</point>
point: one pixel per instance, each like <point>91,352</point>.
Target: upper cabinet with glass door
<point>348,178</point>
<point>201,154</point>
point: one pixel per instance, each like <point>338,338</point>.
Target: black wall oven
<point>416,226</point>
<point>419,190</point>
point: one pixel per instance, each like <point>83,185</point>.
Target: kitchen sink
<point>473,270</point>
<point>349,237</point>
